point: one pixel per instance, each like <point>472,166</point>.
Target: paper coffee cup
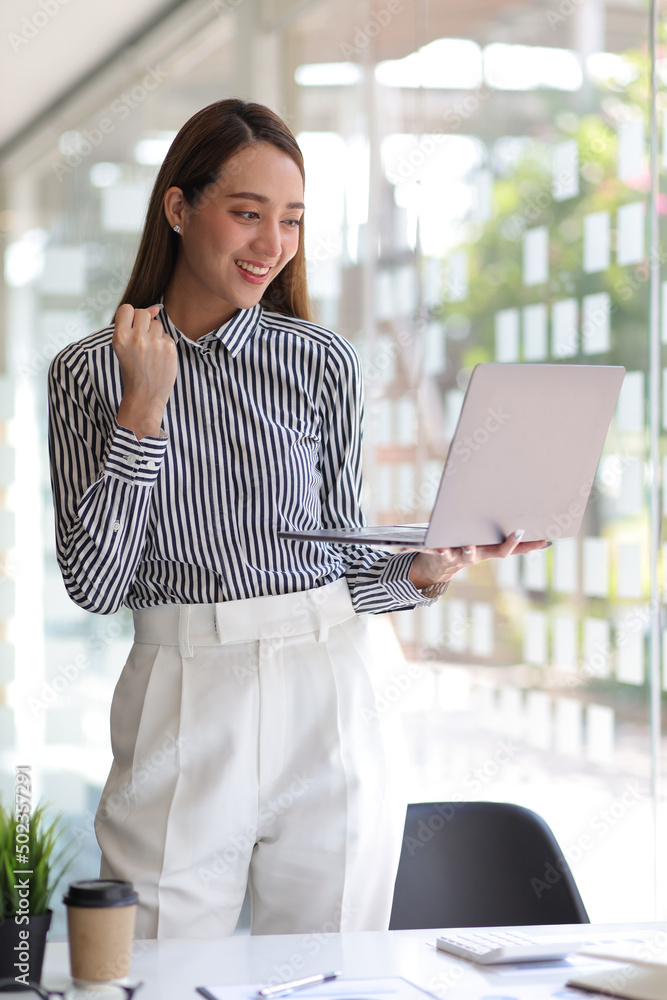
<point>100,921</point>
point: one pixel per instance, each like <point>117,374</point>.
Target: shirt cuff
<point>132,460</point>
<point>394,579</point>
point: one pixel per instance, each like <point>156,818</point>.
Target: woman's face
<point>241,233</point>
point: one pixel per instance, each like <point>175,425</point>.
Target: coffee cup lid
<point>100,892</point>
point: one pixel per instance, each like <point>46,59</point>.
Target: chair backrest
<point>481,864</point>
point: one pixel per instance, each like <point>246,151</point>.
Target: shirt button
<point>150,465</point>
<point>116,526</point>
<point>129,459</point>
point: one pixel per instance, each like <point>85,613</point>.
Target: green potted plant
<point>32,861</point>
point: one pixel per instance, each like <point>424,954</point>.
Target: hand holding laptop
<point>438,566</point>
<point>435,566</point>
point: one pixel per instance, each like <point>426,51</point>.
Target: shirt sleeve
<point>378,580</point>
<point>102,479</point>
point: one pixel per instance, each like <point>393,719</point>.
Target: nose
<point>267,241</point>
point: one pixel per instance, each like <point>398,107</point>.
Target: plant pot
<point>15,948</point>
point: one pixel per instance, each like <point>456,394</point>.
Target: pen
<point>284,988</point>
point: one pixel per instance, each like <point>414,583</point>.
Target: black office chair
<point>481,864</point>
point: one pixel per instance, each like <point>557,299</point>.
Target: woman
<point>247,748</point>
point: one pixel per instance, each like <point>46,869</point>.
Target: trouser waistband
<point>248,620</point>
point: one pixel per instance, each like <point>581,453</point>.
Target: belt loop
<point>184,631</point>
<point>318,603</point>
<point>217,623</point>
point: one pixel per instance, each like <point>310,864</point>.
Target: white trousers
<point>249,749</point>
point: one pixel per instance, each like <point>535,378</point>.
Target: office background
<point>478,188</point>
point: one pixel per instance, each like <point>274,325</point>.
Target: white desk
<point>171,969</point>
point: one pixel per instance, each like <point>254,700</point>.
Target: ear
<point>174,206</point>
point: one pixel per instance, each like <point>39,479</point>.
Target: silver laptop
<point>524,455</point>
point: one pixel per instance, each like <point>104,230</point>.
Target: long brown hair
<point>196,164</point>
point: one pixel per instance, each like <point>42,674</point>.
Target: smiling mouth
<point>252,268</point>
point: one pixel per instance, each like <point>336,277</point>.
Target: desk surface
<point>170,970</point>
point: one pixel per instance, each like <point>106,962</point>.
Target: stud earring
<point>177,229</point>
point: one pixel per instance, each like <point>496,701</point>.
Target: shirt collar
<point>238,330</point>
<point>234,334</point>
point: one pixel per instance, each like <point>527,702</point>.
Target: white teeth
<point>251,267</point>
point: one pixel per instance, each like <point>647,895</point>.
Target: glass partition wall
<point>478,189</point>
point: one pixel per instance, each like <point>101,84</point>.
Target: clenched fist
<point>148,364</point>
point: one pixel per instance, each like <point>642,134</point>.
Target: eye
<point>293,223</point>
<point>248,215</point>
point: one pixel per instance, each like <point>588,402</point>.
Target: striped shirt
<point>262,433</point>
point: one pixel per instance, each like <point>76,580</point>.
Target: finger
<point>524,547</point>
<point>155,310</point>
<point>129,321</point>
<point>124,316</point>
<point>142,320</point>
<point>511,543</point>
<point>455,558</point>
<point>157,330</point>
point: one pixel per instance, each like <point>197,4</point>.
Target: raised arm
<point>103,466</point>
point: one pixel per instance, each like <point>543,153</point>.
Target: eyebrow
<point>262,198</point>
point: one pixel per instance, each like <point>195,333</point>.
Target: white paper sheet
<point>631,403</point>
<point>597,229</point>
<point>507,571</point>
<point>536,256</point>
<point>631,495</point>
<point>629,656</point>
<point>596,567</point>
<point>535,637</point>
<point>565,565</point>
<point>507,335</point>
<point>457,277</point>
<point>535,322</point>
<point>482,206</point>
<point>565,170</point>
<point>629,576</point>
<point>631,148</point>
<point>564,332</point>
<point>565,643</point>
<point>434,347</point>
<point>630,233</point>
<point>597,648</point>
<point>535,570</point>
<point>596,311</point>
<point>340,989</point>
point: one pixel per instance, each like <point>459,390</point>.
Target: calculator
<point>489,947</point>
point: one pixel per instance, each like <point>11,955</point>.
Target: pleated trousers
<point>249,750</point>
